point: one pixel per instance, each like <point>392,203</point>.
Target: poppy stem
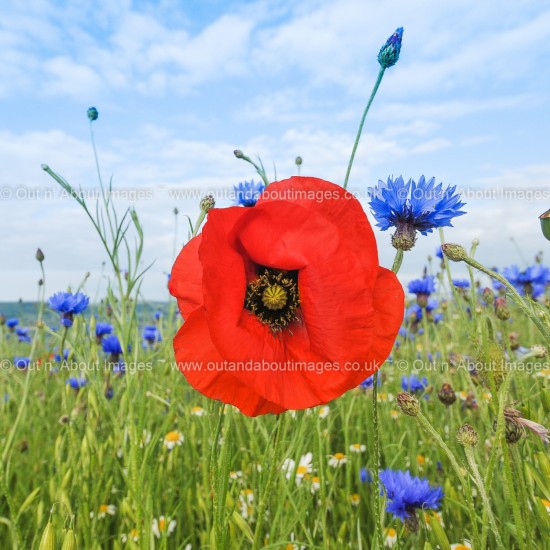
<point>354,150</point>
<point>376,473</point>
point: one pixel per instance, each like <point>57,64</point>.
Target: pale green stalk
<point>360,130</point>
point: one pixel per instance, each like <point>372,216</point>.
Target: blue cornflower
<point>406,493</point>
<point>413,384</point>
<point>12,323</point>
<point>101,329</point>
<point>412,207</point>
<point>461,283</point>
<point>439,252</point>
<point>248,193</point>
<point>23,334</point>
<point>76,383</point>
<point>158,315</point>
<point>414,313</point>
<point>111,344</point>
<point>21,362</point>
<point>530,282</point>
<point>423,286</point>
<point>68,305</point>
<point>57,356</point>
<point>389,52</point>
<point>109,393</point>
<point>151,334</point>
<point>365,475</point>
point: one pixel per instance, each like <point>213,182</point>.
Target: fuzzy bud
<point>501,309</point>
<point>488,296</point>
<point>207,203</point>
<point>454,252</point>
<point>92,114</point>
<point>389,53</point>
<point>404,238</point>
<point>408,404</point>
<point>467,436</point>
<point>176,211</point>
<point>298,161</point>
<point>39,255</point>
<point>238,153</point>
<point>540,352</point>
<point>446,395</point>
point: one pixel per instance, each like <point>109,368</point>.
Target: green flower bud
<point>467,436</point>
<point>408,404</point>
<point>454,252</point>
<point>207,203</point>
<point>446,395</point>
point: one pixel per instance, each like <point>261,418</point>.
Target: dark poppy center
<point>273,297</point>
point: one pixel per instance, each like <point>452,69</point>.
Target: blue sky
<point>180,84</point>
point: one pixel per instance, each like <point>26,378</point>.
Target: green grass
<point>69,452</point>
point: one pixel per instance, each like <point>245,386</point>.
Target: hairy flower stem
<point>354,150</point>
<point>398,260</point>
<point>376,473</point>
<point>270,479</point>
<point>450,278</point>
<point>480,485</point>
<point>424,423</point>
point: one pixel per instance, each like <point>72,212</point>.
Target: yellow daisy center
<point>339,456</point>
<point>172,436</point>
<point>301,470</point>
<point>103,508</point>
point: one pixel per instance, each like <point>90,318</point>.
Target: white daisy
<point>163,526</point>
<point>173,438</point>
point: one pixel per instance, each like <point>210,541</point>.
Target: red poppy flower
<point>285,305</point>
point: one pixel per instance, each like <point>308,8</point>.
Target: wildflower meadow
<point>289,392</point>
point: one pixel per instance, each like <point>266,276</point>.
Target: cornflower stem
<point>450,277</point>
<point>376,474</point>
<point>469,451</point>
<point>424,423</point>
<point>398,260</point>
<point>260,169</point>
<point>360,130</point>
<point>198,223</point>
<point>269,483</point>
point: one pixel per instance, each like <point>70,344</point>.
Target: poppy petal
<point>207,371</point>
<point>186,278</point>
<point>336,205</point>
